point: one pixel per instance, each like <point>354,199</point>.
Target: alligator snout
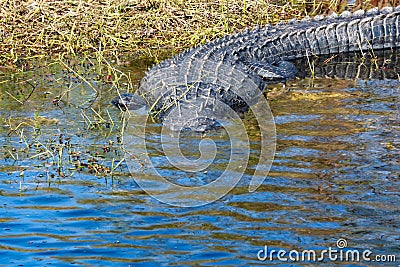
<point>129,101</point>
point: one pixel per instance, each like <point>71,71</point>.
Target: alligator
<point>194,90</point>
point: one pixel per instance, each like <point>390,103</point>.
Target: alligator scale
<point>195,89</point>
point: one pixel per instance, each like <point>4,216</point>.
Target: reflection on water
<point>335,175</point>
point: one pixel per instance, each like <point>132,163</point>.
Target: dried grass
<point>38,28</point>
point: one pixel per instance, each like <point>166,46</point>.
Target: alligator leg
<point>281,71</point>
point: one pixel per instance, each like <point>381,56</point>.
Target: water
<point>335,175</point>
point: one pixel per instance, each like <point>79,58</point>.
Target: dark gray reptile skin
<point>230,73</point>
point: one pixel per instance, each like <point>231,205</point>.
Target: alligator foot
<point>274,72</point>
